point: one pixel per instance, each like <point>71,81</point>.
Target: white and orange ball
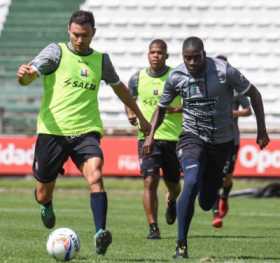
<point>63,244</point>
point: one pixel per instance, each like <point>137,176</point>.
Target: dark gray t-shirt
<point>47,61</point>
<point>244,102</point>
<point>207,100</point>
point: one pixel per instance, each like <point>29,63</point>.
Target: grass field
<point>251,231</point>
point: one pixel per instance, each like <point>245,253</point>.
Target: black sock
<point>226,191</point>
<point>186,200</point>
<point>48,204</point>
<point>98,203</point>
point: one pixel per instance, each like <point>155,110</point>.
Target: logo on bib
<point>84,72</point>
<point>155,92</point>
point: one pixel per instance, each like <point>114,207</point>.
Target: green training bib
<point>69,104</point>
<point>149,91</point>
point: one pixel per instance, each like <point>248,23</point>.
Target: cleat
<point>103,238</point>
<point>217,221</point>
<point>47,215</point>
<point>170,214</point>
<point>154,233</point>
<point>223,207</point>
<point>181,251</point>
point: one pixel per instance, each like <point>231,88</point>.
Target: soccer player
<point>241,108</point>
<point>206,86</point>
<point>146,86</point>
<point>69,123</point>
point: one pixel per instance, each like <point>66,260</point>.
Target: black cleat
<point>154,232</point>
<point>170,214</point>
<point>103,238</point>
<point>47,215</point>
<point>181,251</point>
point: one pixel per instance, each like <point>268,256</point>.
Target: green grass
<point>250,234</point>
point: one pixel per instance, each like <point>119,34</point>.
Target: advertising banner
<point>121,159</point>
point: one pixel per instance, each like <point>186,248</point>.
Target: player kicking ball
<point>69,123</point>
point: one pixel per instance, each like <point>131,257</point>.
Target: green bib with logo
<point>149,91</point>
<point>69,104</point>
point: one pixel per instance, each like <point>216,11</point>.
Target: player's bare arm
<point>157,119</point>
<point>123,93</point>
<point>174,110</point>
<point>257,105</point>
<point>26,74</point>
<point>131,116</point>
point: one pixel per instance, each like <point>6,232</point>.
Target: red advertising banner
<point>255,162</point>
<point>120,153</point>
<point>16,155</point>
<point>120,157</point>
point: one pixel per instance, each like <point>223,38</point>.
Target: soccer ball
<point>63,244</point>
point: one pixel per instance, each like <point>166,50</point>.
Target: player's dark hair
<point>159,42</point>
<point>222,57</point>
<point>82,17</point>
<point>193,42</point>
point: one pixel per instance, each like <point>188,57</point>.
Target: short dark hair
<point>159,42</point>
<point>82,17</point>
<point>193,42</point>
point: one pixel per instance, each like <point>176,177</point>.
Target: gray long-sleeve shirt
<point>47,61</point>
<point>207,100</point>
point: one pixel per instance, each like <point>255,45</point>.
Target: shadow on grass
<point>81,259</point>
<point>246,258</point>
<point>109,259</point>
<point>229,236</point>
<point>136,260</point>
<point>217,237</point>
<point>168,238</point>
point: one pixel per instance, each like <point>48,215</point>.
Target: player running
<point>206,86</point>
<point>146,87</point>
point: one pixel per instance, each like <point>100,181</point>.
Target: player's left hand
<point>148,145</point>
<point>133,120</point>
<point>262,139</point>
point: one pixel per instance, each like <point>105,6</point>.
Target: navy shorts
<point>163,156</point>
<point>52,151</point>
<point>212,157</point>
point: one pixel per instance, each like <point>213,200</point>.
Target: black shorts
<point>52,151</point>
<point>163,156</point>
<point>230,164</point>
<point>212,157</point>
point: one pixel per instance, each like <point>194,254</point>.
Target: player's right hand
<point>262,139</point>
<point>23,70</point>
<point>26,74</point>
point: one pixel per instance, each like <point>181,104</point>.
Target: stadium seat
<point>248,35</point>
<point>166,4</point>
<point>37,23</point>
<point>4,10</point>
